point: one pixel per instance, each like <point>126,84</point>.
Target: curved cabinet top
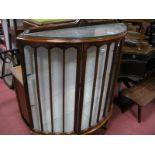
<point>77,34</point>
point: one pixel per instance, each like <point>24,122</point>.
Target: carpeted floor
<point>11,122</point>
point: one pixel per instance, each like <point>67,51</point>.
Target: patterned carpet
<point>11,122</point>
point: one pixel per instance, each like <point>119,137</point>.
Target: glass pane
<point>57,87</point>
<point>114,66</point>
<point>101,65</point>
<point>31,81</point>
<point>43,75</point>
<point>83,32</point>
<point>107,78</point>
<point>89,76</point>
<point>70,79</point>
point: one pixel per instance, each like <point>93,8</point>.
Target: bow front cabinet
<point>69,76</point>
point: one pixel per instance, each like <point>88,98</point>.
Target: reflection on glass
<point>70,82</point>
<point>31,81</point>
<point>43,75</point>
<point>101,66</point>
<point>107,78</point>
<point>89,76</point>
<point>57,87</point>
<point>70,78</point>
<point>83,32</point>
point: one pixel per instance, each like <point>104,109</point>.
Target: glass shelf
<point>94,31</point>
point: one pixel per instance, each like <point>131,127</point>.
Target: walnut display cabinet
<point>69,76</point>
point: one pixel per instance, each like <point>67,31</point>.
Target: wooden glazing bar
<point>82,83</point>
<point>94,85</point>
<point>109,90</point>
<point>38,92</point>
<point>50,87</point>
<point>103,81</point>
<point>77,89</point>
<point>63,102</point>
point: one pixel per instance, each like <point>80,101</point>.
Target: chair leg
<point>139,113</point>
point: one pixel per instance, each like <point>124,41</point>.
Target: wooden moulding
<point>28,39</point>
<point>84,132</point>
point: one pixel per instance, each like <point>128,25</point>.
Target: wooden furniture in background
<point>141,94</point>
<point>138,58</point>
<point>36,23</point>
<point>21,94</point>
<point>41,24</point>
<point>152,33</point>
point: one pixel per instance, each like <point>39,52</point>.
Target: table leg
<point>139,113</point>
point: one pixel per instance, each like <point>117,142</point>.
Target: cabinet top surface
<point>95,31</point>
